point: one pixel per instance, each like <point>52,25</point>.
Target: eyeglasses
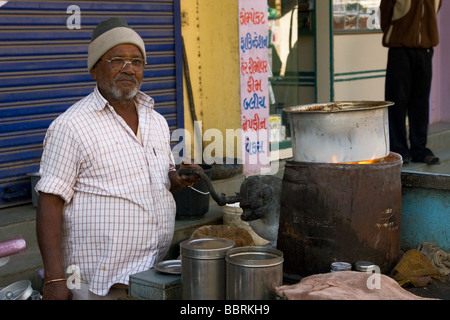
<point>118,63</point>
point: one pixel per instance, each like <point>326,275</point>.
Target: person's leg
<point>397,90</point>
<point>419,106</point>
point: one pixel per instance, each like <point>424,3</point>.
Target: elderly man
<point>105,208</point>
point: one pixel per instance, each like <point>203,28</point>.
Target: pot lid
<point>363,265</point>
<point>20,290</point>
<point>255,257</point>
<point>207,248</point>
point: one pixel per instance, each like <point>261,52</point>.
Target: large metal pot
<point>340,132</point>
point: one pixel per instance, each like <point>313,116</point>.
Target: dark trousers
<point>408,85</point>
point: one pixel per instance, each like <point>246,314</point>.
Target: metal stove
<point>347,208</point>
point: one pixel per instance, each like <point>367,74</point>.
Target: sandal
<point>431,160</point>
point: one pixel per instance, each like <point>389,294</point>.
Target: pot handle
<point>222,199</point>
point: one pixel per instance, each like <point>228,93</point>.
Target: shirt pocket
<point>160,164</point>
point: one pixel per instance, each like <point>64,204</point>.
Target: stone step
<point>439,143</point>
<point>19,221</point>
<point>23,266</point>
<point>14,222</point>
<point>439,137</point>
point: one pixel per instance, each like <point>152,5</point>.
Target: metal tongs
<point>220,200</point>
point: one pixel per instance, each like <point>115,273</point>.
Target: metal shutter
<point>43,71</point>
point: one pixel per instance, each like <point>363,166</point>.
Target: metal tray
<point>20,290</point>
<point>169,266</point>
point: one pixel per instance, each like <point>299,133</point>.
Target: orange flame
<point>366,161</point>
<point>371,161</point>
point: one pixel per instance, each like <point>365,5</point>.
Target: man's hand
<point>57,291</point>
<point>184,181</point>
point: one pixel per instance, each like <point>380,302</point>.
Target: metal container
<point>253,273</point>
<point>340,132</point>
<point>340,212</point>
<point>340,266</point>
<point>203,268</point>
<point>364,266</point>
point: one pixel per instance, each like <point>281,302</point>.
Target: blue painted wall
<point>425,210</point>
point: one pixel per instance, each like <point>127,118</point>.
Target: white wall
<point>440,91</point>
<point>359,67</point>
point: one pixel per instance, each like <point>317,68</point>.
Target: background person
<point>410,32</point>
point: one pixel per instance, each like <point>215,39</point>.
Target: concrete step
<point>442,168</point>
<point>439,143</point>
<point>19,221</point>
<point>439,137</point>
<point>14,222</point>
<point>23,266</point>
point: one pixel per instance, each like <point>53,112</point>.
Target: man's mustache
<point>126,77</point>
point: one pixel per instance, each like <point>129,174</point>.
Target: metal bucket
<point>340,132</point>
<point>253,273</point>
<point>203,268</point>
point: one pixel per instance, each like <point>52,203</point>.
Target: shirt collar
<point>141,99</point>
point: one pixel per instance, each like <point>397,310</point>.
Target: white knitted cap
<point>110,33</point>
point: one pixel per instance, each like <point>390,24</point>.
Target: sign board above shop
<point>254,85</point>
